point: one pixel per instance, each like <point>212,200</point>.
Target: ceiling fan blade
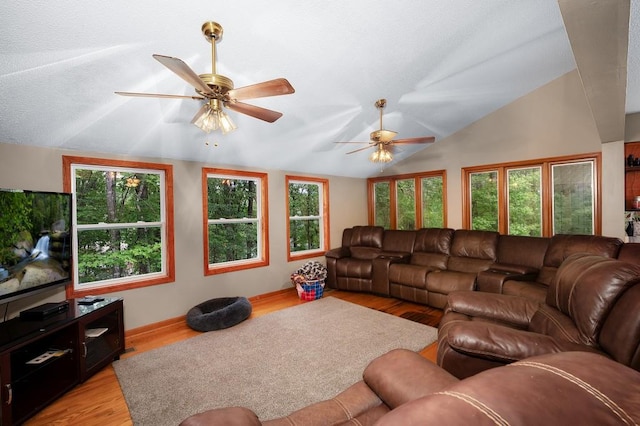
<point>425,139</point>
<point>254,111</point>
<point>184,72</point>
<point>158,95</point>
<point>360,149</point>
<point>277,87</point>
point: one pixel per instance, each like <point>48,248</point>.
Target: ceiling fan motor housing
<point>218,83</point>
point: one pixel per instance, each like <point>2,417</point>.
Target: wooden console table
<point>42,359</point>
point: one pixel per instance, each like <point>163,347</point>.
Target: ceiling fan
<point>218,91</point>
<point>383,140</point>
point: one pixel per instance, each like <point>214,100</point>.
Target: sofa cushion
<point>475,244</point>
<point>398,241</point>
<point>562,246</point>
<point>586,288</point>
<point>367,236</point>
<point>434,240</point>
<point>570,388</point>
<point>409,275</point>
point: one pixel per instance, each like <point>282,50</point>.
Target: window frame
<point>323,217</point>
<point>167,275</point>
<point>546,165</point>
<point>392,180</point>
<point>262,219</point>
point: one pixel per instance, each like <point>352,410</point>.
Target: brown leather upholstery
<point>591,305</point>
<point>630,252</point>
<point>471,252</point>
<point>408,280</point>
<point>402,388</point>
<point>519,259</point>
<point>560,247</point>
<point>350,267</point>
<point>406,264</point>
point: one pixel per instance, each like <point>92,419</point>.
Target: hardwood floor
<point>99,401</point>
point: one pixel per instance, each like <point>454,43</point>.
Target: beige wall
<point>554,120</point>
<point>34,168</point>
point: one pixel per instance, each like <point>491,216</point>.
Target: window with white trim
<point>236,225</point>
<point>122,219</point>
<point>308,218</point>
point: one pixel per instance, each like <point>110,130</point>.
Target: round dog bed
<point>219,313</point>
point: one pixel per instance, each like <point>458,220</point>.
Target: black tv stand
<point>41,360</point>
<point>44,311</point>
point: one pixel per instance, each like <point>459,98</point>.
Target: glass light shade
<point>214,119</point>
<point>381,155</point>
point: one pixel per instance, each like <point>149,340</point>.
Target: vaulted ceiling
<point>440,65</point>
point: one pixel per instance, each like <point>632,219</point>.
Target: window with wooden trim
<point>534,198</point>
<point>235,229</point>
<point>122,224</point>
<point>408,201</point>
<point>308,217</point>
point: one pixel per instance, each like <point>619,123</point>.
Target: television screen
<point>35,242</point>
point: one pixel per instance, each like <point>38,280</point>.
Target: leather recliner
<point>403,388</point>
<point>561,246</point>
<point>350,267</point>
<point>591,305</point>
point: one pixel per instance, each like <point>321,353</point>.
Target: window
<point>382,204</point>
<point>235,220</point>
<point>122,222</point>
<point>408,201</point>
<point>484,200</point>
<point>308,217</point>
<point>573,198</point>
<point>537,198</point>
<point>406,204</point>
<point>432,202</point>
<point>524,201</point>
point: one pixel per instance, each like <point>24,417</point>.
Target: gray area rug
<point>272,364</point>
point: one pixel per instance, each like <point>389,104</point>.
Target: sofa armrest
<point>395,256</point>
<point>512,310</point>
<point>338,253</point>
<point>505,344</point>
<point>381,264</point>
<point>400,376</point>
<point>510,268</point>
<point>492,280</point>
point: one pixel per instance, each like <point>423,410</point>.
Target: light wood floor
<point>99,401</point>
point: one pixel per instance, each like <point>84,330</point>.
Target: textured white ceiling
<point>441,66</point>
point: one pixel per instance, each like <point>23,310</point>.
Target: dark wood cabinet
<point>42,359</point>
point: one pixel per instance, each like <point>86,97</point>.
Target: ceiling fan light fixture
<point>214,118</point>
<point>381,155</point>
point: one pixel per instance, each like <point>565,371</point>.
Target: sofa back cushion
<point>397,241</point>
<point>432,247</point>
<point>562,246</point>
<point>521,250</point>
<point>587,287</point>
<point>472,251</point>
<point>366,236</point>
<point>630,252</point>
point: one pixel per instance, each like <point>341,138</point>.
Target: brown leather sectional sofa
<point>505,298</point>
<point>425,265</point>
<point>403,388</point>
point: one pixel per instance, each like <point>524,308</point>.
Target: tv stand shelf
<point>42,359</point>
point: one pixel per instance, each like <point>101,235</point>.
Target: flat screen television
<point>35,242</point>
